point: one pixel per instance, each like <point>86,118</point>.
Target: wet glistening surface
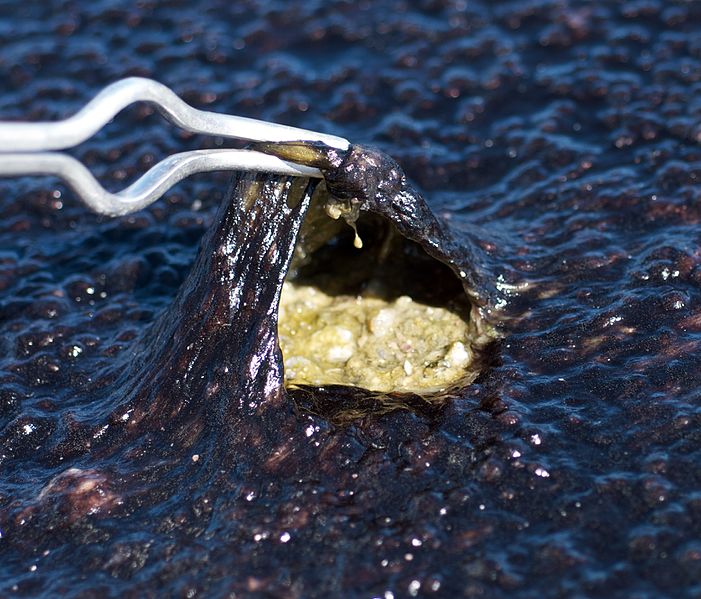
<point>559,144</point>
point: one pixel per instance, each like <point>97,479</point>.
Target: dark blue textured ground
<point>569,131</point>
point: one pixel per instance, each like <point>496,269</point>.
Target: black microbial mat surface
<point>564,138</point>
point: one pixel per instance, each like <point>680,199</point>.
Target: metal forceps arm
<point>28,148</point>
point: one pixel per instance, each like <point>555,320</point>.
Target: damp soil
<point>558,146</point>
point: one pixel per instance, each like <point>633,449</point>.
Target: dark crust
<point>213,357</point>
<point>559,140</point>
<point>371,178</point>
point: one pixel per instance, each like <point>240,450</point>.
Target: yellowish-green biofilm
<point>378,314</point>
<point>377,344</point>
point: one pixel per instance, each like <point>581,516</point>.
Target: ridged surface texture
<point>560,143</point>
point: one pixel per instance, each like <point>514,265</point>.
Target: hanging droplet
<point>357,242</point>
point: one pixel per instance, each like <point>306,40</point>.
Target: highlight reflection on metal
<point>25,148</point>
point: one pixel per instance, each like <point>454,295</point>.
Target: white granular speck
<point>284,537</point>
<point>457,355</point>
<point>339,353</point>
<point>416,542</point>
<point>535,439</point>
<point>542,472</point>
<point>414,587</point>
<point>382,322</point>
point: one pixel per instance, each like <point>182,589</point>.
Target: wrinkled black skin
<point>225,364</point>
<point>213,357</point>
<point>203,413</point>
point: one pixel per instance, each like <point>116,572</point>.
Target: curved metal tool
<point>25,148</point>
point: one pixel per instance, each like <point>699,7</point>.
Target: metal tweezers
<point>28,148</point>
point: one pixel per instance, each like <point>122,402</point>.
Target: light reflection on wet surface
<point>567,134</point>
